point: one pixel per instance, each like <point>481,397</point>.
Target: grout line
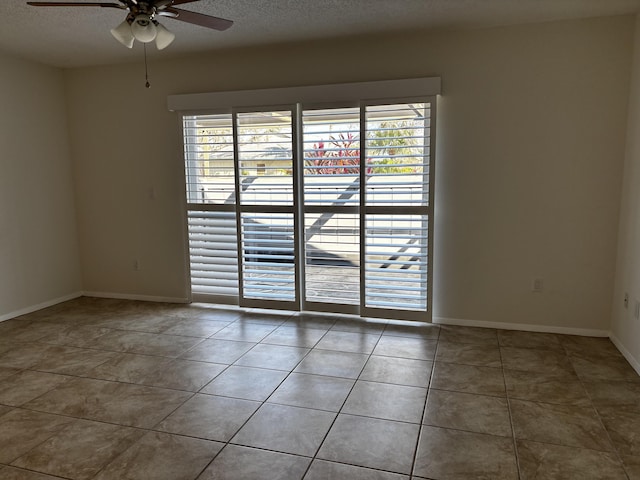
<point>513,429</point>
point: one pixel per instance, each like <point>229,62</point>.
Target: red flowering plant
<point>341,156</point>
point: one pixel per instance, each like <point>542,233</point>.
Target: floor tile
<point>30,331</point>
<point>161,456</point>
<point>386,401</point>
<point>590,368</point>
<point>128,367</point>
<point>334,364</point>
<point>623,428</point>
<point>121,403</point>
<point>27,385</point>
<point>541,460</point>
<point>468,379</point>
<point>21,430</point>
<point>563,392</point>
<point>632,466</point>
<point>236,462</point>
<point>313,391</point>
<point>6,345</point>
<point>71,360</point>
<point>535,360</point>
<point>218,351</point>
<point>559,424</point>
<point>183,375</point>
<point>246,382</point>
<point>25,355</point>
<point>79,451</point>
<point>196,328</point>
<point>212,313</point>
<point>144,343</point>
<point>399,371</point>
<point>294,337</point>
<point>550,387</point>
<point>323,470</point>
<point>274,357</point>
<point>7,372</point>
<point>11,473</point>
<point>75,336</point>
<point>412,329</point>
<point>406,347</point>
<point>348,342</point>
<point>595,347</point>
<point>148,322</point>
<point>244,332</point>
<point>372,326</point>
<point>470,412</point>
<point>469,335</point>
<point>307,320</point>
<point>467,354</point>
<point>455,455</point>
<point>371,442</point>
<point>286,429</point>
<point>265,317</point>
<point>518,339</point>
<point>210,417</point>
<point>624,396</point>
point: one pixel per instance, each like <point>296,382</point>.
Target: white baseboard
<point>142,298</point>
<point>39,306</point>
<point>630,358</point>
<point>584,332</point>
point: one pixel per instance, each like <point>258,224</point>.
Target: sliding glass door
<point>321,208</point>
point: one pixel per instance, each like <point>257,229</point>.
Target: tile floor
<point>108,389</point>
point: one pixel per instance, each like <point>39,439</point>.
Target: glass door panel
<point>268,256</point>
<point>267,223</point>
<point>332,258</point>
<point>396,254</point>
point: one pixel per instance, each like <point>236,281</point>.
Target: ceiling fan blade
<point>76,4</point>
<point>200,19</point>
<point>180,2</point>
<point>164,13</point>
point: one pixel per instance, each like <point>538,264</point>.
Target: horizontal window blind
<point>331,142</point>
<point>208,144</point>
<point>396,254</point>
<point>265,158</point>
<point>213,252</point>
<point>268,256</point>
<point>397,154</point>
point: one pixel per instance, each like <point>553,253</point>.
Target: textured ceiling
<point>71,37</point>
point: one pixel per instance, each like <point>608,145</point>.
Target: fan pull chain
<point>146,68</point>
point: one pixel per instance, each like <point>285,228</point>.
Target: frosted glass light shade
<point>143,29</point>
<point>123,34</point>
<point>164,37</point>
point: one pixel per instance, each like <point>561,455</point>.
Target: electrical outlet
<point>136,265</point>
<point>636,310</point>
<point>537,285</point>
<point>626,300</point>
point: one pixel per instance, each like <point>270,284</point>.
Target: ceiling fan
<point>141,24</point>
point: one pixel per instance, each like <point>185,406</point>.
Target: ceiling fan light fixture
<point>143,29</point>
<point>163,37</point>
<point>123,34</point>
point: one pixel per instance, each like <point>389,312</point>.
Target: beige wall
<point>531,135</point>
<point>39,261</point>
<point>625,327</point>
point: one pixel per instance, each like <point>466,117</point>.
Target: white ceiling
<point>71,37</point>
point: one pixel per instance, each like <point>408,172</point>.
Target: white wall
<point>531,135</point>
<point>625,327</point>
<point>39,260</point>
